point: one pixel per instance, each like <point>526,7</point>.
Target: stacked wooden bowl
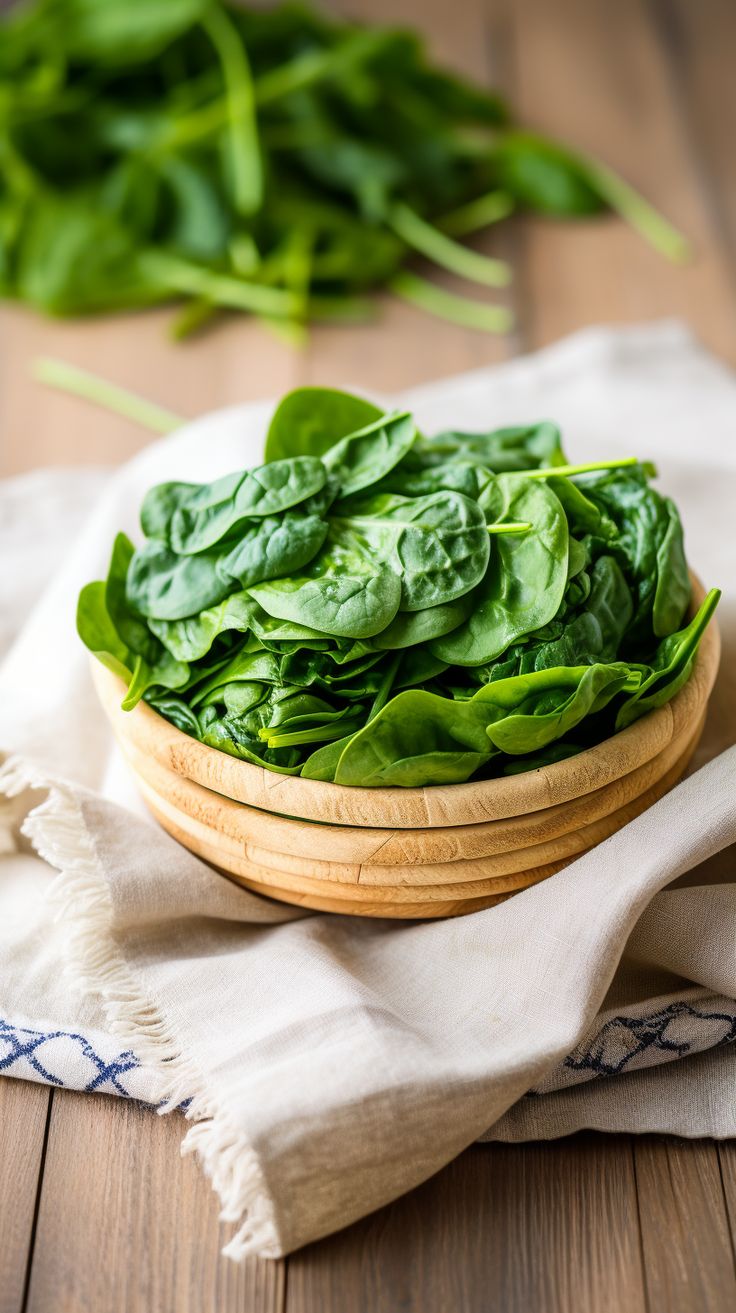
<point>392,852</point>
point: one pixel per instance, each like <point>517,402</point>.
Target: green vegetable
<point>670,667</point>
<point>308,421</point>
<point>524,584</point>
<point>274,161</point>
<point>373,606</point>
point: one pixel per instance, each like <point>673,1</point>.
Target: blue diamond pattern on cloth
<point>673,1031</point>
<point>45,1052</point>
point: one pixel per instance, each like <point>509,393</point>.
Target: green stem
<point>440,248</point>
<point>510,527</point>
<point>384,692</point>
<point>456,309</point>
<point>321,734</point>
<point>488,209</point>
<point>566,471</point>
<point>78,382</point>
<point>637,211</point>
<point>245,152</point>
<point>194,315</point>
<point>193,280</point>
<point>314,66</point>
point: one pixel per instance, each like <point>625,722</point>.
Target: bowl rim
<point>393,807</point>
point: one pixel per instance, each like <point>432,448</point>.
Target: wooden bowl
<point>436,851</point>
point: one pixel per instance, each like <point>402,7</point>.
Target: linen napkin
<point>328,1064</point>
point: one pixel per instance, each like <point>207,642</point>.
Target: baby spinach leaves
<point>273,161</point>
<point>376,607</point>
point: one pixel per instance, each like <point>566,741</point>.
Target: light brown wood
<point>685,1236</point>
<point>463,889</point>
<point>23,1110</point>
<point>616,97</point>
<point>533,1228</point>
<point>727,1164</point>
<point>246,834</point>
<point>127,1226</point>
<point>359,847</point>
<point>513,870</point>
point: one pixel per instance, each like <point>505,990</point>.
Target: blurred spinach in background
<point>273,161</point>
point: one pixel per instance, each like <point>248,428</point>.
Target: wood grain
<point>126,1225</point>
<point>727,1164</point>
<point>467,883</point>
<point>226,837</point>
<point>614,97</point>
<point>551,1228</point>
<point>686,1245</point>
<point>23,1112</point>
<point>400,849</point>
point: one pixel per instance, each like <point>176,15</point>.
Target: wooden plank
<point>126,1225</point>
<point>513,1227</point>
<point>23,1111</point>
<point>236,361</point>
<point>607,90</point>
<point>727,1164</point>
<point>699,41</point>
<point>688,1260</point>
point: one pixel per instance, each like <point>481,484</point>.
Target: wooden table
<point>97,1210</point>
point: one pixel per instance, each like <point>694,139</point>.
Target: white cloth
<point>327,1063</point>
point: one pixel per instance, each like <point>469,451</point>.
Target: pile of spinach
<point>277,162</point>
<point>378,607</point>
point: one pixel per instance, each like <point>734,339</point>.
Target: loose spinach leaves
<point>272,161</point>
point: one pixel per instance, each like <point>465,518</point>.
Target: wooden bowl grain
<point>389,852</point>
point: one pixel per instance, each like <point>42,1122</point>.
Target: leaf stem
<point>456,309</point>
<point>485,210</point>
<point>510,527</point>
<point>245,151</point>
<point>321,734</point>
<point>566,471</point>
<point>384,692</point>
<point>448,254</point>
<point>637,211</point>
<point>80,383</point>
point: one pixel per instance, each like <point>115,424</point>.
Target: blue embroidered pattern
<point>24,1044</point>
<point>622,1039</point>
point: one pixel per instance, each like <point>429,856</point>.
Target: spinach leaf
<point>672,593</point>
<point>526,576</point>
<point>275,162</point>
<point>308,421</point>
<point>218,509</point>
<point>362,458</point>
<point>414,627</point>
<point>192,638</point>
<point>418,738</point>
<point>527,712</point>
<point>273,546</point>
<point>525,447</point>
<point>438,546</point>
<point>344,592</point>
<point>671,666</point>
<point>164,586</point>
<point>98,633</point>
